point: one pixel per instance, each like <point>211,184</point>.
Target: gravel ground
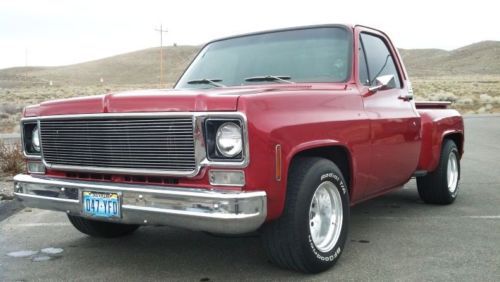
<point>6,188</point>
<point>8,206</point>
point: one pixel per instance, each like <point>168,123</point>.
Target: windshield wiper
<point>214,82</point>
<point>280,78</point>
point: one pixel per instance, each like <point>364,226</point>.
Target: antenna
<point>161,31</point>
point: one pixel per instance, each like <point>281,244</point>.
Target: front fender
<point>313,144</point>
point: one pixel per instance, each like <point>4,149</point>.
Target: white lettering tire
<point>311,233</point>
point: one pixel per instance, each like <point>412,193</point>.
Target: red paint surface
<point>387,138</point>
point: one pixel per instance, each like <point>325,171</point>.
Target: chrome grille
<point>135,143</point>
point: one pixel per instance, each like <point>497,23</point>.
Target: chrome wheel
<point>325,216</point>
<point>452,172</point>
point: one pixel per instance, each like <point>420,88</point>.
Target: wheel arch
<point>438,126</point>
<point>457,138</point>
<point>332,150</point>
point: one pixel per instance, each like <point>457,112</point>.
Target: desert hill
<point>481,58</point>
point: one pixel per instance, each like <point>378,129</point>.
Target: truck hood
<point>170,100</point>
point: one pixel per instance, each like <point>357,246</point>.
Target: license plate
<point>101,204</point>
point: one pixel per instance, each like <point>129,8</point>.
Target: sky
<point>55,32</point>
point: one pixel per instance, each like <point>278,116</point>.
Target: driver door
<point>394,121</point>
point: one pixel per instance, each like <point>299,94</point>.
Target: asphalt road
<point>394,237</point>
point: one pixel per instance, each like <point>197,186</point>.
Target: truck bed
<point>432,104</point>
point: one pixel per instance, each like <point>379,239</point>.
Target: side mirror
<point>383,82</point>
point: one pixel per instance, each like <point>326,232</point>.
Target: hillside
<point>142,67</point>
<point>481,58</point>
<point>139,67</point>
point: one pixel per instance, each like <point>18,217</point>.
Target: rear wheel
<point>311,233</point>
<point>104,229</point>
<point>441,185</point>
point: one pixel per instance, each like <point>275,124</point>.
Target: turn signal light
<point>35,167</point>
<point>227,177</point>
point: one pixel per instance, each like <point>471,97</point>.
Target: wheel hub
<point>325,216</point>
<point>452,172</point>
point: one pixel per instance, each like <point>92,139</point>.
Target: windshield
<point>303,55</point>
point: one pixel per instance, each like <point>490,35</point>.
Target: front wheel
<point>311,233</point>
<point>441,185</point>
<point>104,229</point>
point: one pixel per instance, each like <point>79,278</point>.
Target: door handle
<point>406,97</point>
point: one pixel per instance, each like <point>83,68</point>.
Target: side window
<point>363,69</point>
<point>379,59</point>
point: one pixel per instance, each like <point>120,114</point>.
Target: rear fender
<point>438,125</point>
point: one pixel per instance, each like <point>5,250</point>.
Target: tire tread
<point>433,187</point>
<point>100,228</point>
<point>282,246</point>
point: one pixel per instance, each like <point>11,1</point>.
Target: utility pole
<point>161,31</point>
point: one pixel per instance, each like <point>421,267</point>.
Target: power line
<point>161,31</point>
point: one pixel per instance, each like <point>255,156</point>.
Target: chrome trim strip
<point>126,115</point>
<point>220,211</point>
<point>199,140</point>
<point>93,169</point>
<point>47,198</point>
<point>188,213</point>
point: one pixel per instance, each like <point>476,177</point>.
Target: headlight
<point>229,140</point>
<point>31,138</point>
<point>35,139</point>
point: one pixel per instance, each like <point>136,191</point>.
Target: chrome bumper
<point>196,209</point>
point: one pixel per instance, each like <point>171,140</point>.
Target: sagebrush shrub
<point>11,158</point>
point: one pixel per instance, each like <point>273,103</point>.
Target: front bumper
<point>228,212</point>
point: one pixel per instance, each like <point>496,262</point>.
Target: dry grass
<point>469,94</point>
<point>11,158</point>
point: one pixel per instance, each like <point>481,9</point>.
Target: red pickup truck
<point>278,131</point>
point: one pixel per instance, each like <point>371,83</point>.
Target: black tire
<point>233,236</point>
<point>102,229</point>
<point>433,188</point>
<point>287,240</point>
